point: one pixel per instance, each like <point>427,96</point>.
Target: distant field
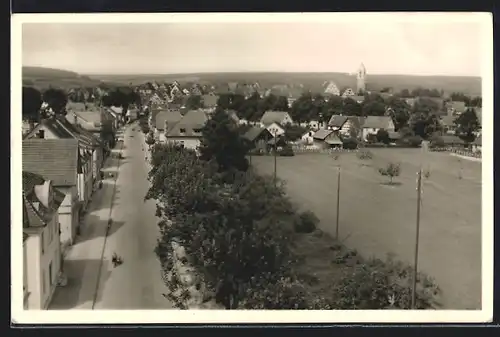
<point>43,78</point>
<point>314,81</point>
<point>377,219</point>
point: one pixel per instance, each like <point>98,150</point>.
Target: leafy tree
<point>56,100</point>
<point>351,107</point>
<point>294,132</point>
<point>405,93</point>
<point>281,104</point>
<point>32,102</point>
<point>399,111</point>
<point>302,108</point>
<point>373,108</point>
<point>194,102</point>
<point>476,102</point>
<point>221,141</point>
<point>333,106</point>
<point>391,170</point>
<point>383,136</point>
<point>224,101</point>
<point>467,123</point>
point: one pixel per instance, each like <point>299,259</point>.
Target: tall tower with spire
<point>361,79</point>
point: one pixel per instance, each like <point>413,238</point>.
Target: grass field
<point>378,219</point>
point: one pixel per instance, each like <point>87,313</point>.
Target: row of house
<point>62,158</point>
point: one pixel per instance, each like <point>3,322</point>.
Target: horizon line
<point>246,71</point>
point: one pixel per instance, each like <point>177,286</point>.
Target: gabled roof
<point>321,134</point>
<point>170,116</point>
<point>377,122</point>
<point>90,120</point>
<point>53,159</point>
<point>271,117</point>
<point>333,139</point>
<point>337,121</point>
<point>254,132</point>
<point>192,120</point>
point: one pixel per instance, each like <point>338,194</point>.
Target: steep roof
<point>321,134</point>
<point>333,139</point>
<point>271,117</point>
<point>377,122</point>
<point>90,120</point>
<point>169,116</point>
<point>53,159</point>
<point>254,132</point>
<point>192,120</point>
<point>337,121</point>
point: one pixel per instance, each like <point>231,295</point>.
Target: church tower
<point>361,79</point>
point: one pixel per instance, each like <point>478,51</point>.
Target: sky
<point>384,46</point>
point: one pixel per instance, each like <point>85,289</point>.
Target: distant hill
<point>43,78</point>
<point>314,81</point>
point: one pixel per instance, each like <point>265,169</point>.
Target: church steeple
<point>361,79</point>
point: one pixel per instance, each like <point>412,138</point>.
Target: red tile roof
<point>53,159</point>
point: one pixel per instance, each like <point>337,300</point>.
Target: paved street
<point>137,283</point>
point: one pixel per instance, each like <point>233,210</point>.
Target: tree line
<point>57,99</point>
<point>238,229</point>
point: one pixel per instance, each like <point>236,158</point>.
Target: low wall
<point>459,152</point>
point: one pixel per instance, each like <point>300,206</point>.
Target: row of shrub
<point>237,228</point>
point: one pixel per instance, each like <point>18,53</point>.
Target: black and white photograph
<point>252,168</point>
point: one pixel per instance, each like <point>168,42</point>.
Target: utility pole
<point>338,205</point>
<point>417,229</point>
<point>417,237</point>
<point>275,159</point>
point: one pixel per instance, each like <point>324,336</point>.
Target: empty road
<point>137,283</point>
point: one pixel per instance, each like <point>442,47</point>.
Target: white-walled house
<point>307,138</point>
<point>279,117</point>
<point>373,124</point>
<point>42,248</point>
<point>57,161</point>
<point>187,131</point>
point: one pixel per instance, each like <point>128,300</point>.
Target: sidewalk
<point>82,261</point>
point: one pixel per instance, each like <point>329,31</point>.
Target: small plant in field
<point>391,170</point>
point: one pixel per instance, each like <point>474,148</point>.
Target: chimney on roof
<point>75,119</point>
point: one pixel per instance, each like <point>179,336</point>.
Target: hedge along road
<point>137,283</point>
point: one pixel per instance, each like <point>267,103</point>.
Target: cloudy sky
<point>416,47</point>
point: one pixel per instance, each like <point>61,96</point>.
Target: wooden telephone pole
<point>417,238</point>
<point>338,206</point>
<point>275,155</point>
<point>417,228</point>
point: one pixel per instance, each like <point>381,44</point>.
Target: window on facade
<point>183,130</point>
<point>41,134</point>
